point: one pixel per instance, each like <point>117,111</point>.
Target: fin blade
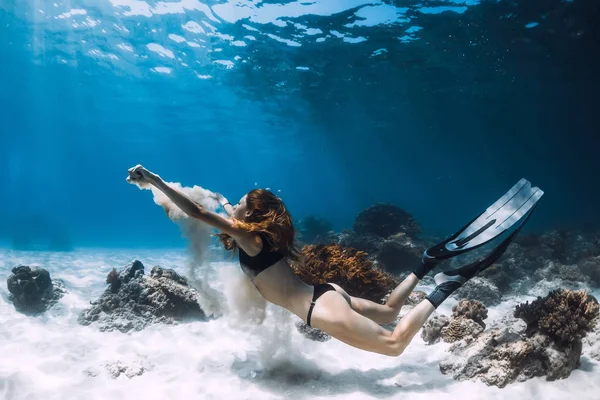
<point>496,219</point>
<point>505,217</point>
<point>507,200</point>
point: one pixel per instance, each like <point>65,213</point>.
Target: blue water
<point>438,107</point>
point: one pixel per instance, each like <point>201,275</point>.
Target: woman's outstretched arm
<point>140,175</point>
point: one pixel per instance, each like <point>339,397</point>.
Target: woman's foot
<point>426,266</point>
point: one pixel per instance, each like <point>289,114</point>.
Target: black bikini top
<point>252,266</point>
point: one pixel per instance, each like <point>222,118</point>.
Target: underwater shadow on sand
<point>301,382</point>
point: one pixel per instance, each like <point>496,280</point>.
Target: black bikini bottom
<point>319,290</point>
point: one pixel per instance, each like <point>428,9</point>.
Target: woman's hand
<point>224,203</point>
<point>141,176</point>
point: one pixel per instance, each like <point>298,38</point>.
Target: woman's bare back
<point>280,285</point>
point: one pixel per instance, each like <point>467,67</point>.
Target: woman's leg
<point>411,323</point>
<point>333,315</point>
<point>382,313</point>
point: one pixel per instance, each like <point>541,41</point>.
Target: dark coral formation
<point>113,280</point>
<point>349,268</point>
<point>480,289</point>
<point>564,246</point>
<point>568,274</point>
<point>563,315</point>
<point>368,243</point>
<point>471,309</point>
<point>167,273</point>
<point>591,268</point>
<point>551,244</point>
<point>399,254</point>
<point>312,228</point>
<point>499,276</point>
<point>134,301</point>
<point>387,234</point>
<point>32,291</point>
<point>581,244</point>
<point>516,265</point>
<point>330,237</point>
<point>385,220</point>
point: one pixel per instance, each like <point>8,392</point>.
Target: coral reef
<point>479,289</point>
<point>368,243</point>
<point>399,254</point>
<point>550,345</point>
<point>385,220</point>
<point>565,246</point>
<point>567,274</point>
<point>499,277</point>
<point>386,233</point>
<point>551,244</point>
<point>471,309</point>
<point>591,268</point>
<point>554,275</point>
<point>581,244</point>
<point>466,323</point>
<point>564,315</point>
<point>432,330</point>
<point>501,356</point>
<point>312,227</point>
<point>32,291</point>
<point>134,301</point>
<point>461,328</point>
<point>330,237</point>
<point>518,261</point>
<point>349,268</point>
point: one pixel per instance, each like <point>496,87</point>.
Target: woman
<point>261,229</point>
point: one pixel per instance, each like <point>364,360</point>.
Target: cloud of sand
<point>238,294</point>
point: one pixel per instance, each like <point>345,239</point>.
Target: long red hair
<point>267,214</point>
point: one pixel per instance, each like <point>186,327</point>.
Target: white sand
<point>53,357</point>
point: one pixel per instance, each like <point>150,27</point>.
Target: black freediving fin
<point>498,218</point>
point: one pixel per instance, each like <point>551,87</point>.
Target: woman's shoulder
<point>255,244</point>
